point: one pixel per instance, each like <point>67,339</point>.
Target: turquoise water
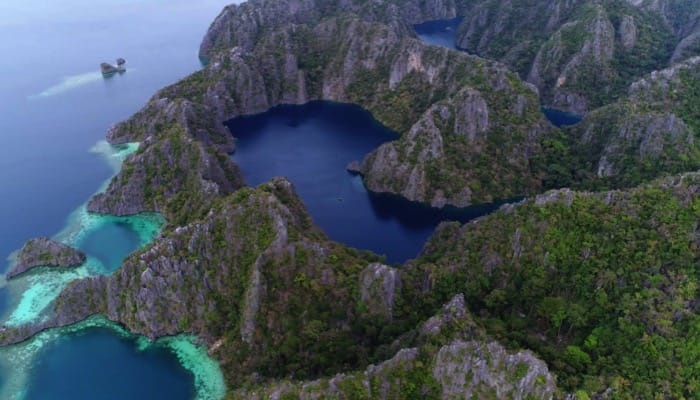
<point>55,109</point>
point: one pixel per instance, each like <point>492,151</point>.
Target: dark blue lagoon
<point>439,32</point>
<point>55,108</point>
<point>311,145</point>
<point>561,118</point>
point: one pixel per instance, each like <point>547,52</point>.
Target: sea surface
<point>55,108</point>
<point>311,145</point>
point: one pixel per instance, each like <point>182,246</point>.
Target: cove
<point>439,32</point>
<point>49,167</point>
<point>97,359</point>
<point>30,295</point>
<point>561,118</point>
<point>311,145</point>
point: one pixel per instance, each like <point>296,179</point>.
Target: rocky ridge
<point>190,279</point>
<point>586,280</point>
<point>653,129</point>
<point>581,54</point>
<point>453,359</point>
<point>44,252</point>
<point>380,66</point>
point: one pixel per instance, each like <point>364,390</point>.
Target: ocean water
<point>311,145</point>
<point>55,108</point>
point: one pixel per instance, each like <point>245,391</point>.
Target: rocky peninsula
<point>567,293</point>
<point>44,252</point>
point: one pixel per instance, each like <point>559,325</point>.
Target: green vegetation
<point>571,41</point>
<point>602,288</point>
<point>652,132</point>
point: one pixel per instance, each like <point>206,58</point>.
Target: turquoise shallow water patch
<point>208,379</point>
<point>62,344</point>
<point>30,295</point>
<point>36,363</point>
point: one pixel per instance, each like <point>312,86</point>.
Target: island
<point>108,69</point>
<point>44,252</point>
<point>587,288</point>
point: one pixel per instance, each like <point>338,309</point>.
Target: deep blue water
<point>312,145</point>
<point>111,367</point>
<point>440,32</point>
<point>54,107</point>
<point>122,240</point>
<point>561,118</point>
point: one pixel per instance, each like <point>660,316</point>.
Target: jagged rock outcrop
<point>242,25</point>
<point>441,158</point>
<point>600,286</point>
<point>253,271</point>
<point>378,287</point>
<point>467,365</point>
<point>44,252</point>
<point>684,18</point>
<point>292,52</point>
<point>580,54</point>
<point>652,131</point>
<point>171,173</point>
<point>585,280</point>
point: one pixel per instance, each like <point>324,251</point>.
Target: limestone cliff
<point>254,272</point>
<point>653,130</point>
<point>452,359</point>
<point>489,130</point>
<point>47,253</point>
<point>586,280</point>
<point>172,173</point>
<point>580,54</point>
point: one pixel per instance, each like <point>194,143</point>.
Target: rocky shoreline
<point>245,268</point>
<point>44,252</point>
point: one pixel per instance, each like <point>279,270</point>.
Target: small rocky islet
<point>44,252</point>
<point>568,294</point>
<point>108,69</point>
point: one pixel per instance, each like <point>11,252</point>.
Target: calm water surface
<point>54,107</point>
<point>440,32</point>
<point>112,362</point>
<point>312,145</point>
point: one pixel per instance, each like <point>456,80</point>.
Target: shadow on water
<point>413,215</point>
<point>311,145</point>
